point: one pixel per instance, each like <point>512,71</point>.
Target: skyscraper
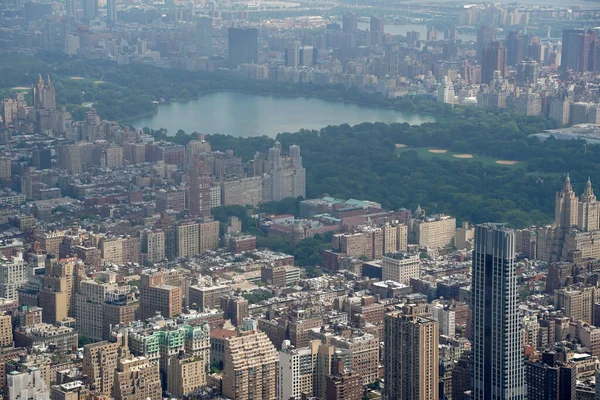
<point>514,48</point>
<point>376,24</point>
<point>43,94</point>
<point>90,9</point>
<point>71,8</point>
<point>292,54</point>
<point>485,35</point>
<point>198,189</point>
<point>242,46</point>
<point>204,36</point>
<point>498,364</point>
<point>349,23</point>
<point>307,56</point>
<point>493,59</point>
<point>566,206</point>
<point>111,11</point>
<point>588,215</point>
<point>578,48</point>
<point>411,358</point>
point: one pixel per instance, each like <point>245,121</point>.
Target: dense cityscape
<point>295,200</point>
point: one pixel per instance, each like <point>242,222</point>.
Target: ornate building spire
<point>567,187</point>
<point>588,192</point>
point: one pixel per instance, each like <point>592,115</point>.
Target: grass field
<point>429,153</point>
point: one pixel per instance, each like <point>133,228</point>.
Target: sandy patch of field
<point>463,155</point>
<point>76,78</point>
<point>437,151</point>
<point>99,82</point>
<point>506,162</point>
<point>20,88</point>
<point>400,146</point>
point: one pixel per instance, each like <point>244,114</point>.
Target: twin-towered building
<point>575,233</point>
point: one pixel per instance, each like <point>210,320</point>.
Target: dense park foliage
<point>362,162</point>
<point>359,161</point>
<point>121,92</point>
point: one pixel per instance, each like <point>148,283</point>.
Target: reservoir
<point>242,114</point>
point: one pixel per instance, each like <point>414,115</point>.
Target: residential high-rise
<point>434,231</point>
<point>542,381</point>
<point>170,200</point>
<point>56,293</point>
<point>100,360</point>
<point>250,365</point>
<point>298,174</point>
<point>43,94</point>
<point>400,267</point>
<point>445,317</point>
<point>88,307</point>
<point>185,374</point>
<point>560,110</point>
<point>242,46</point>
<point>118,309</point>
<point>13,275</point>
<point>498,368</point>
<point>158,296</point>
<point>208,236</point>
<point>577,304</point>
<point>588,215</point>
<point>566,206</point>
<point>188,239</point>
<point>461,377</point>
<point>6,334</point>
<point>136,379</point>
<point>527,71</point>
<point>197,342</point>
<point>297,370</point>
<point>5,168</point>
<point>493,59</point>
<point>411,358</point>
<point>235,308</point>
<point>343,384</point>
<point>207,297</point>
<point>198,189</point>
<point>153,245</point>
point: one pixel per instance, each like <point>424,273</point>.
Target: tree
<point>83,340</point>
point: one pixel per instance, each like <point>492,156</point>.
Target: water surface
<point>241,114</point>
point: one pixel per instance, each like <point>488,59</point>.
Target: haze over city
<point>299,200</point>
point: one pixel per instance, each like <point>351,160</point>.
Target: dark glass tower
<point>498,363</point>
<point>242,44</point>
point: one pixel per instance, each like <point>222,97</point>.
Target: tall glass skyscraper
<point>498,364</point>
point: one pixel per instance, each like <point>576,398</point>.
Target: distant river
<point>241,114</point>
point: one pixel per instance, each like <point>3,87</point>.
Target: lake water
<point>241,114</point>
